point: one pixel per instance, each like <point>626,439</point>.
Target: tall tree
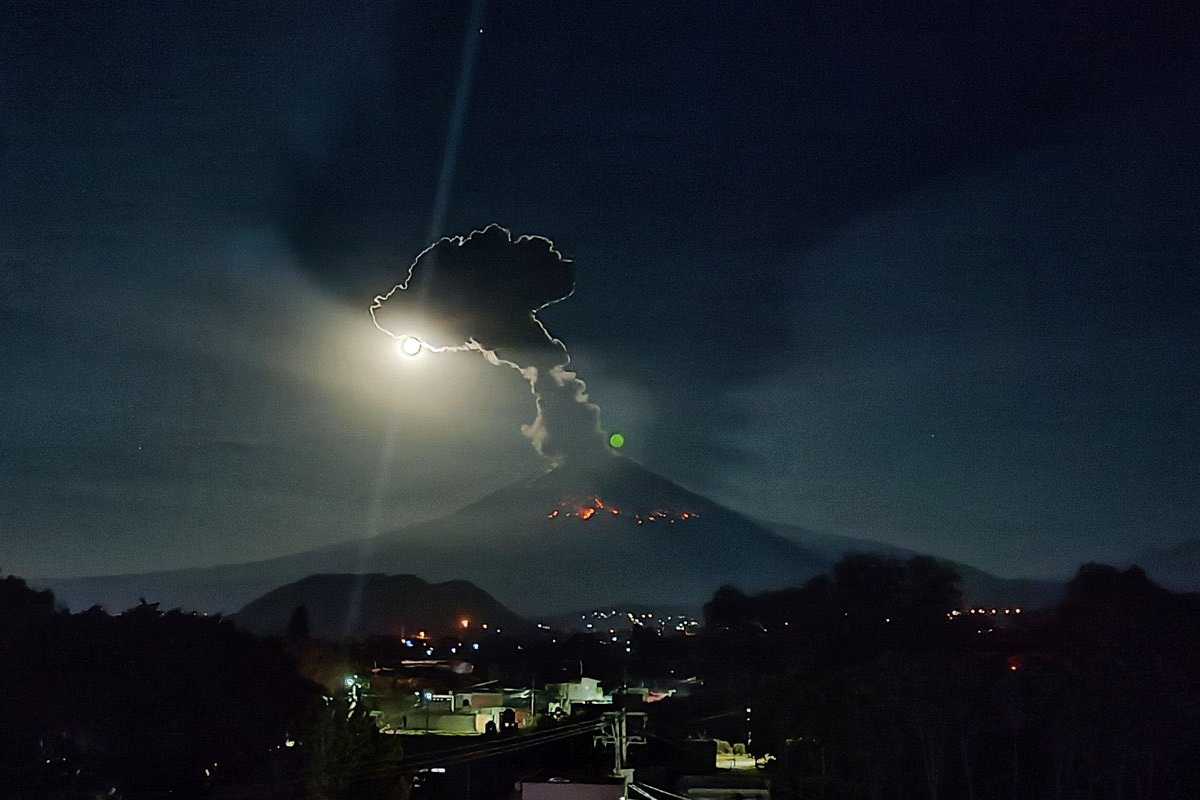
<point>298,629</point>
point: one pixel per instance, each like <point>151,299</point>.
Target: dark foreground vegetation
<point>861,686</point>
<point>150,704</point>
<point>868,683</point>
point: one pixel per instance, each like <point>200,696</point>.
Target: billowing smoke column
<point>482,292</point>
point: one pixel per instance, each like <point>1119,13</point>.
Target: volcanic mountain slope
<point>395,605</point>
<point>575,537</point>
<point>569,538</point>
<point>978,587</point>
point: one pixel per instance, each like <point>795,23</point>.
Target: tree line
<point>863,684</point>
<point>146,703</point>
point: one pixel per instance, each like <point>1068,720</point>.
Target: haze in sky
<point>925,277</point>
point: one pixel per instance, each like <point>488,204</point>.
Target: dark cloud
<point>483,292</point>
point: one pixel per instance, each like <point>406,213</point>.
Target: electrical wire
<point>523,743</point>
<point>443,758</point>
<point>460,755</point>
<point>643,787</point>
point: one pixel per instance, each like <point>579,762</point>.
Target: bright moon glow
<point>408,346</point>
<point>617,440</point>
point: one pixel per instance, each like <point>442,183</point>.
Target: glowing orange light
<point>616,512</point>
<point>586,513</point>
<point>464,622</point>
<point>599,502</point>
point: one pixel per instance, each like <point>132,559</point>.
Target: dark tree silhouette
<point>298,627</point>
<point>350,758</point>
<point>864,687</point>
<point>148,700</point>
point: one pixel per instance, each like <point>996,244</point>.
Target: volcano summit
<point>513,544</point>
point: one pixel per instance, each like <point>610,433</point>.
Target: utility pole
<point>616,733</point>
<point>620,743</point>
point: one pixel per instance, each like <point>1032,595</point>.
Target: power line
<point>446,758</point>
<point>473,752</point>
<point>523,743</point>
<point>642,788</point>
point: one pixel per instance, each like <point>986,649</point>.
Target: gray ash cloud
<point>483,292</point>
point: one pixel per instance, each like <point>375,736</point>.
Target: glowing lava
<point>589,508</point>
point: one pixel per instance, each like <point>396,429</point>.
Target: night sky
<point>927,276</point>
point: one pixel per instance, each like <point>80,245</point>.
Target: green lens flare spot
<point>616,441</point>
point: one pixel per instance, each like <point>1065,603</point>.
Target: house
<point>564,698</point>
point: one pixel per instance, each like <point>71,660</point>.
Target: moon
<point>408,346</point>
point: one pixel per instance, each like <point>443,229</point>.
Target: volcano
<point>580,536</point>
<point>575,536</point>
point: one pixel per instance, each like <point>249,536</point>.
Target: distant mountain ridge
<point>564,540</point>
<point>377,604</point>
<point>1176,567</point>
<point>978,587</point>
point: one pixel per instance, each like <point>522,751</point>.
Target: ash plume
<point>483,292</point>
